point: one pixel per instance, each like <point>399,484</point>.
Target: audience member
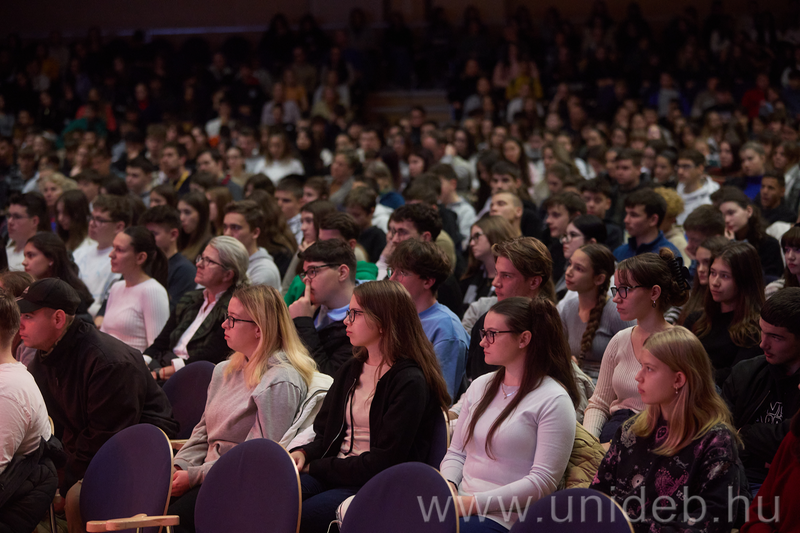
<point>477,280</point>
<point>195,224</point>
<point>421,267</point>
<point>644,212</point>
<point>704,253</point>
<point>597,195</point>
<point>771,200</point>
<point>27,214</point>
<point>244,221</point>
<point>164,223</point>
<point>534,381</point>
<point>685,432</point>
<point>72,217</point>
<point>727,324</point>
<point>138,305</point>
<point>392,389</point>
<point>360,203</point>
<point>561,208</point>
<point>193,331</point>
<point>694,186</point>
<point>583,229</point>
<point>646,286</point>
<point>256,394</point>
<point>762,392</point>
<point>289,194</point>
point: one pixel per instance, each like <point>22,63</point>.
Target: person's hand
<point>180,483</point>
<point>59,502</point>
<point>303,306</point>
<point>388,250</point>
<point>730,235</point>
<point>300,461</point>
<point>465,505</point>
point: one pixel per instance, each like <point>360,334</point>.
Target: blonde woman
<point>52,186</point>
<point>680,453</point>
<point>255,394</point>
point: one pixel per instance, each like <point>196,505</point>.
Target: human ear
<point>599,279</point>
<point>655,292</point>
<point>680,380</point>
<point>525,339</point>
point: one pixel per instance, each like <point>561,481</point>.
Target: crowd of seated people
<point>600,245</point>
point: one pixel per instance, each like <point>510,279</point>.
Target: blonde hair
<point>675,203</point>
<point>279,337</point>
<point>697,407</point>
<point>64,183</point>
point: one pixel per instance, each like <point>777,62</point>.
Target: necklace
<point>507,394</point>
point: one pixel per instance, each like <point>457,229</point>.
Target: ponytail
<point>156,265</point>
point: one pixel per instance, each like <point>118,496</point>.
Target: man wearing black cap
<point>93,384</point>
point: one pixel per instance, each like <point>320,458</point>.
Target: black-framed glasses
<point>231,321</point>
<point>99,220</point>
<point>311,272</point>
<point>203,261</point>
<point>475,237</point>
<point>569,237</point>
<point>623,291</point>
<point>491,335</point>
<point>351,314</point>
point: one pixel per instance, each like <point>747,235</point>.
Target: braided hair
<point>602,263</point>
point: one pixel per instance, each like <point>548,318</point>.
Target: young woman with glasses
<point>382,407</point>
<point>646,286</point>
<point>477,280</point>
<point>584,229</point>
<point>255,394</point>
<point>514,436</point>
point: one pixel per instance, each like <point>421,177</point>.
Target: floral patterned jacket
<point>701,488</point>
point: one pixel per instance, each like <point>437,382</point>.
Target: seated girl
<point>590,320</point>
<point>477,280</point>
<point>790,243</point>
<point>681,453</point>
<point>514,437</point>
<point>381,409</point>
<point>727,325</point>
<point>707,249</point>
<point>647,285</point>
<point>255,394</point>
<point>584,229</point>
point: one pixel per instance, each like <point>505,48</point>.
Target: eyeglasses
<point>491,335</point>
<point>400,273</point>
<point>623,291</point>
<point>476,237</point>
<point>15,216</point>
<point>569,237</point>
<point>100,220</point>
<point>204,261</point>
<point>230,321</point>
<point>351,314</point>
<point>311,272</point>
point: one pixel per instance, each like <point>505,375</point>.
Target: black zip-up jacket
<point>208,342</point>
<point>401,425</point>
<point>749,386</point>
<point>330,346</point>
<point>95,386</point>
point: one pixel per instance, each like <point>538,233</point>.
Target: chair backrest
<point>574,511</point>
<point>253,487</point>
<point>187,390</point>
<point>421,501</point>
<point>440,442</point>
<point>130,474</point>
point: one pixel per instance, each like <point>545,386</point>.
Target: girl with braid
<point>591,319</point>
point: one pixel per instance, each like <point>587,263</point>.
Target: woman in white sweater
<point>256,394</point>
<point>517,425</point>
<point>138,305</point>
<point>647,285</point>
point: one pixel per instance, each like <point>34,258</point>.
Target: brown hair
<point>424,259</point>
<point>745,265</point>
<point>790,239</point>
<point>652,269</point>
<point>532,258</point>
<point>9,318</point>
<point>496,229</point>
<point>389,306</point>
<point>602,263</point>
<point>275,237</point>
<point>698,295</point>
<point>547,354</point>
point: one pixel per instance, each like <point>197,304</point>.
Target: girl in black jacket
<point>381,409</point>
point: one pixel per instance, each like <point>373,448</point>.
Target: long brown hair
<point>275,235</point>
<point>191,244</point>
<point>548,354</point>
<point>790,239</point>
<point>390,307</point>
<point>496,229</point>
<point>602,263</point>
<point>76,207</point>
<point>697,406</point>
<point>697,297</point>
<point>745,265</point>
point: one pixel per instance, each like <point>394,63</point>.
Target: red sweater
<point>783,482</point>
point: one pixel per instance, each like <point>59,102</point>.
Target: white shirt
<point>136,315</point>
<point>23,414</point>
<point>295,226</point>
<point>205,309</point>
<point>280,169</point>
<point>15,259</point>
<point>95,271</point>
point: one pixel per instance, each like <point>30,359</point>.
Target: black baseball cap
<point>51,293</point>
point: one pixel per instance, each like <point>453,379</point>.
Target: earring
<point>676,391</point>
<point>654,304</point>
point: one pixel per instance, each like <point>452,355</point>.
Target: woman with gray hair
<point>194,330</point>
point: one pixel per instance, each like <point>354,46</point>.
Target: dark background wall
<point>32,18</point>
